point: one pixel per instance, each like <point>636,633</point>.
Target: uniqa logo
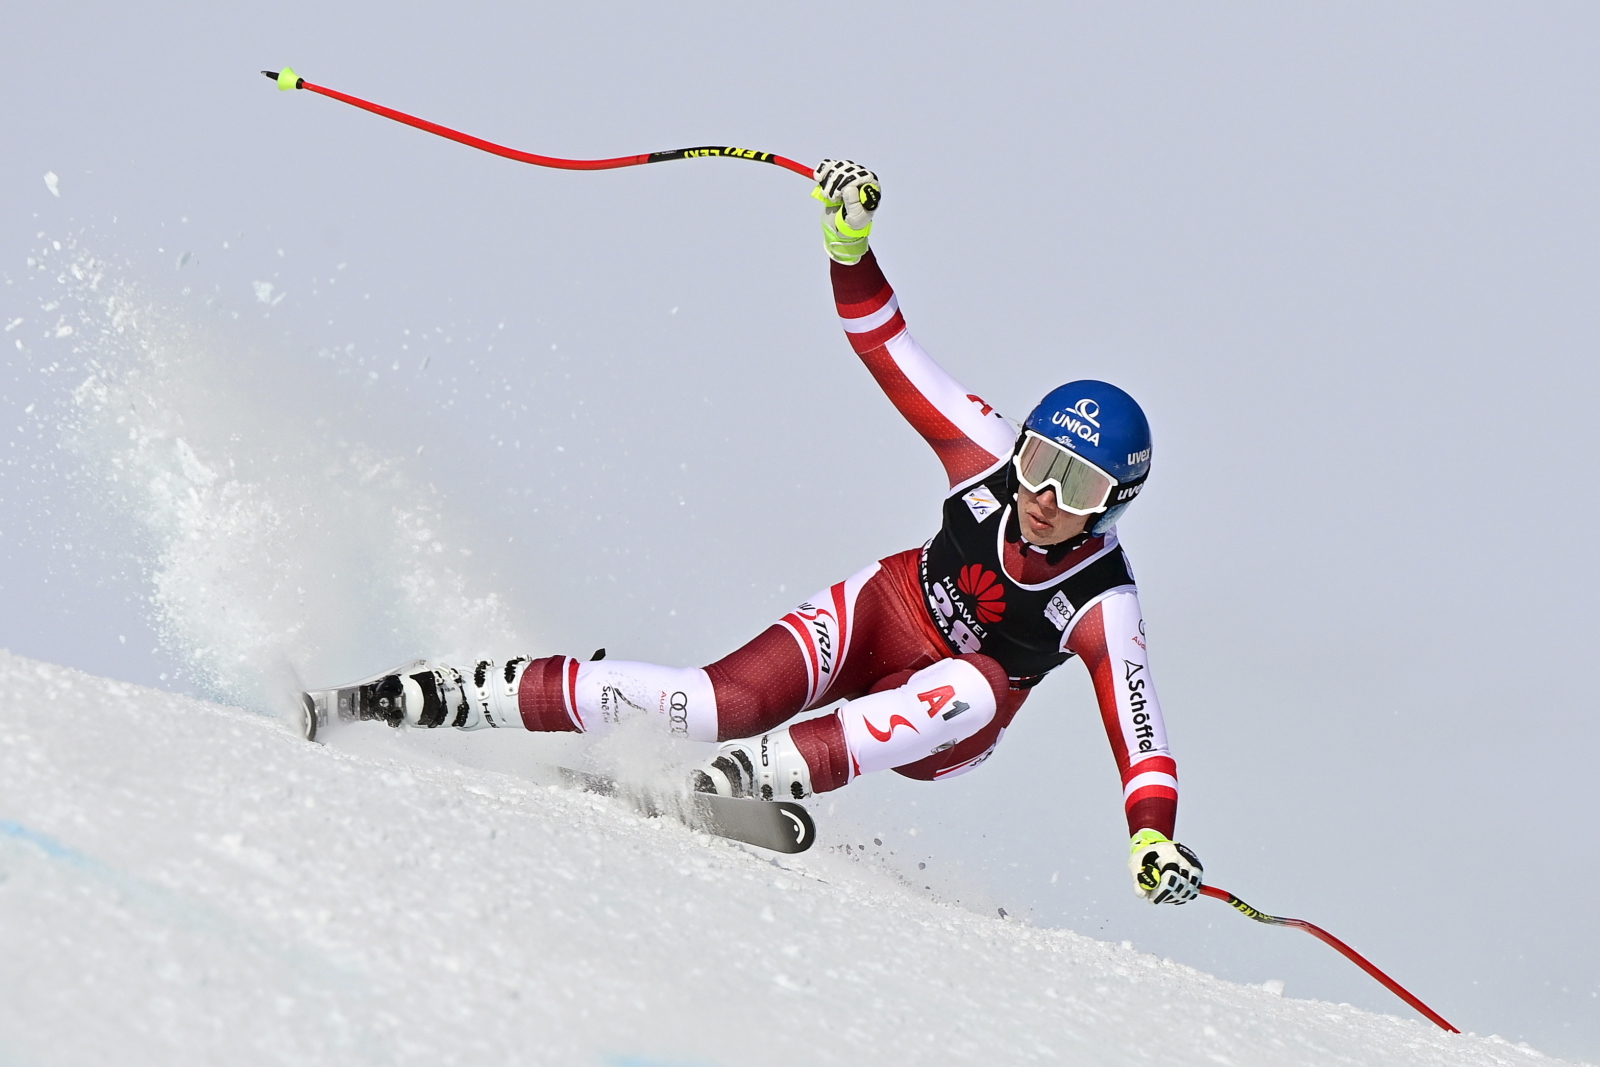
<point>975,581</point>
<point>1081,420</point>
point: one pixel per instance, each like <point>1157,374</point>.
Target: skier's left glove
<point>850,194</point>
<point>1164,872</point>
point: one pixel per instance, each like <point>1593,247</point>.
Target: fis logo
<point>981,502</point>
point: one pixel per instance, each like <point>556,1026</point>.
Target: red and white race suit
<point>934,649</point>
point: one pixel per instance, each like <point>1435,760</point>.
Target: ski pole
<point>287,79</point>
<point>1349,953</point>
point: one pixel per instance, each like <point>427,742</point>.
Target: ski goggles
<point>1081,487</point>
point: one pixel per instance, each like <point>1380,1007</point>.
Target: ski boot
<point>769,767</point>
<point>422,693</point>
<point>418,693</point>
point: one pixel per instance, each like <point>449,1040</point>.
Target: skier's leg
<point>557,693</point>
<point>834,644</point>
<point>561,693</point>
<point>937,713</point>
<point>968,754</point>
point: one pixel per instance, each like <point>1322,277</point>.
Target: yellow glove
<point>850,194</point>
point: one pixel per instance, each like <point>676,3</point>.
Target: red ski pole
<point>287,79</point>
<point>1349,953</point>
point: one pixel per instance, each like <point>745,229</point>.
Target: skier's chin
<point>1037,532</point>
<point>1044,527</point>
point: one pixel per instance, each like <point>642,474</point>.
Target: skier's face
<point>1042,522</point>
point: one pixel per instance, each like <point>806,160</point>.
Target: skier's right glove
<point>850,193</point>
<point>1164,872</point>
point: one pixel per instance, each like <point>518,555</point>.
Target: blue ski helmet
<point>1105,426</point>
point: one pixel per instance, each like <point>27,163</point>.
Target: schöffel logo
<point>982,584</point>
<point>1082,420</point>
<point>1134,678</point>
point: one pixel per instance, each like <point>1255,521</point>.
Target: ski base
<point>779,825</point>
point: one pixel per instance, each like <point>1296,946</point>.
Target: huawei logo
<point>982,584</point>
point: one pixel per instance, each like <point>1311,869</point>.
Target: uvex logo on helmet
<point>983,586</point>
<point>1081,420</point>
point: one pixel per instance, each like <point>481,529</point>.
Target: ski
<point>779,825</point>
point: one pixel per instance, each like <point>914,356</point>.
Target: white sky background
<point>1344,256</point>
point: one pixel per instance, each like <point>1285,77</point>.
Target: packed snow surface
<point>182,882</point>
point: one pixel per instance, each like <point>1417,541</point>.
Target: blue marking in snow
<point>49,845</point>
<point>172,910</point>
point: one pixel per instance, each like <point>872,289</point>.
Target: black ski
<point>780,825</point>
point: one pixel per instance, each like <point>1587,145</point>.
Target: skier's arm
<point>968,435</point>
<point>1109,637</point>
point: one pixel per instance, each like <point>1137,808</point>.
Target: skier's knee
<point>934,710</point>
<point>987,666</point>
<point>993,673</point>
<point>963,757</point>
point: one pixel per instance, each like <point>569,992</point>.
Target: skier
<point>934,649</point>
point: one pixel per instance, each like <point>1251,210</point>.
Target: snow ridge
<point>182,882</point>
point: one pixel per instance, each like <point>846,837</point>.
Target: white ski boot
<point>769,767</point>
<point>423,694</point>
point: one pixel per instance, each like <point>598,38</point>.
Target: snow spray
<point>270,547</point>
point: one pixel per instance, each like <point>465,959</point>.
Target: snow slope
<point>182,882</point>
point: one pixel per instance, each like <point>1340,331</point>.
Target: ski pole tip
<point>286,78</point>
